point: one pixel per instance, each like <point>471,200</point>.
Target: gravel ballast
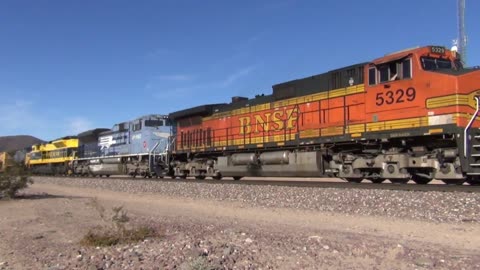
<point>429,206</point>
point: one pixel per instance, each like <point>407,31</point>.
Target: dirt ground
<point>43,229</point>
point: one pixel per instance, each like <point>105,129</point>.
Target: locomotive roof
<point>337,78</point>
<point>202,110</point>
<point>94,132</point>
<point>162,116</point>
<point>64,138</point>
<point>330,80</point>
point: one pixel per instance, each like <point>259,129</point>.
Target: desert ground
<point>239,227</point>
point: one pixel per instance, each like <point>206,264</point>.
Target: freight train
<point>410,115</point>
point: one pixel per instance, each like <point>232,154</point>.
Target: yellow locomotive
<point>5,161</point>
<point>54,157</point>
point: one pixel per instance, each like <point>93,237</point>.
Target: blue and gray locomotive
<point>135,148</point>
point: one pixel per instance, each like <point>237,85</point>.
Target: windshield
<point>430,63</point>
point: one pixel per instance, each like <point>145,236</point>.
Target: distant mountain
<point>13,143</point>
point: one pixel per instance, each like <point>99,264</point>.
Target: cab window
<point>137,125</point>
<point>430,63</point>
<point>372,76</point>
<point>391,71</point>
<point>407,69</point>
<point>154,123</point>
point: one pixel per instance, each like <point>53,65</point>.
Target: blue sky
<point>68,66</point>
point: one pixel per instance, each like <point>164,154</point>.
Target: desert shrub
<point>116,228</point>
<point>13,180</point>
<point>198,263</point>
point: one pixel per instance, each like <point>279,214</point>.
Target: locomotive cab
<point>423,92</point>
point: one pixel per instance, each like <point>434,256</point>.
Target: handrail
<point>150,167</point>
<point>470,123</point>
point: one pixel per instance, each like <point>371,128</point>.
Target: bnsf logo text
<point>269,121</point>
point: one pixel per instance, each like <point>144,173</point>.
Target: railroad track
<point>312,184</point>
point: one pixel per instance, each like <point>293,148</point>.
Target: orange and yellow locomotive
<point>410,115</point>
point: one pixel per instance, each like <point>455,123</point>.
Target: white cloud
<point>78,124</point>
<point>160,79</point>
<point>158,53</point>
<point>22,117</point>
<point>220,84</point>
<point>18,117</point>
<point>174,77</point>
<point>230,79</point>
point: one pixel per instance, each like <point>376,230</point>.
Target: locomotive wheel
<point>473,181</point>
<point>377,180</point>
<point>420,180</point>
<point>457,182</point>
<point>236,178</point>
<point>399,181</point>
<point>354,180</point>
<point>217,177</point>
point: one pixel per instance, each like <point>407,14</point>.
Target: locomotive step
<point>476,145</point>
<point>475,155</point>
<point>475,165</point>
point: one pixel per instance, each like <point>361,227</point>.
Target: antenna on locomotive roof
<point>454,46</point>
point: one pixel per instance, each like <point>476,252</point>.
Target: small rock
<point>79,257</point>
<point>248,240</point>
<point>315,237</point>
<point>279,258</point>
<point>326,247</point>
<point>424,262</point>
<point>204,252</point>
<point>3,263</point>
<point>227,251</point>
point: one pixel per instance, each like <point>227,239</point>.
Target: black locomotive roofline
<point>63,138</point>
<point>92,132</point>
<point>334,79</point>
<point>203,110</point>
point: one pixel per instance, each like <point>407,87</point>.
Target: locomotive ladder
<point>471,144</point>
